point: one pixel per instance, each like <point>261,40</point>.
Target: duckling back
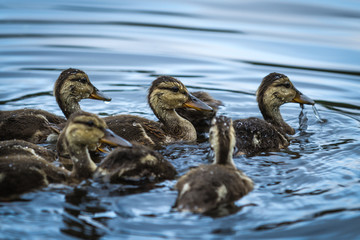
<point>29,127</point>
<point>208,187</point>
<point>22,173</point>
<point>254,135</point>
<point>138,164</point>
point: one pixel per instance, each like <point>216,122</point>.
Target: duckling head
<point>222,140</point>
<point>168,93</point>
<point>275,90</point>
<point>72,86</point>
<point>84,129</point>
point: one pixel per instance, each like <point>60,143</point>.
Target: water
<point>311,190</point>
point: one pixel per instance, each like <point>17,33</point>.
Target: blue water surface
<point>309,191</point>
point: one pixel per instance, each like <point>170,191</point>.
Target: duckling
<point>207,187</point>
<point>254,135</point>
<point>20,173</point>
<point>165,95</point>
<point>35,125</point>
<point>201,119</point>
<point>21,147</point>
<point>138,164</point>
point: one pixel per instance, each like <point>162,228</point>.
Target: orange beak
<point>197,104</point>
<point>114,140</point>
<point>98,95</point>
<point>303,99</point>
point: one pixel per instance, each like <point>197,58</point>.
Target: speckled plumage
<point>138,164</point>
<point>29,169</point>
<point>255,135</point>
<point>210,186</point>
<point>22,173</point>
<point>36,125</point>
<point>165,95</point>
<point>207,187</point>
<point>24,148</point>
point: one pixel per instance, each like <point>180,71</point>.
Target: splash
<point>303,120</point>
<point>317,115</point>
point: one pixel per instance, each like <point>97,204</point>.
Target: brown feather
<point>138,164</point>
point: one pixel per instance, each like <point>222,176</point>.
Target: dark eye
<point>90,123</point>
<point>287,85</point>
<point>174,89</point>
<point>82,80</point>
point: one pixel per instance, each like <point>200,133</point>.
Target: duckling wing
<point>29,127</point>
<point>138,164</point>
<point>22,173</point>
<point>137,129</point>
<point>254,135</point>
<point>51,118</point>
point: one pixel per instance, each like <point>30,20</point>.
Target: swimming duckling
<point>165,95</point>
<point>138,164</point>
<point>23,148</point>
<point>21,173</point>
<point>254,135</point>
<point>207,187</point>
<point>201,119</point>
<point>35,125</point>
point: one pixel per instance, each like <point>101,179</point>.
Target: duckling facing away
<point>138,164</point>
<point>208,187</point>
<point>201,119</point>
<point>165,95</point>
<point>254,135</point>
<point>35,125</point>
<point>23,172</point>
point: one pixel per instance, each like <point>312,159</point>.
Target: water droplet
<point>303,119</point>
<point>106,102</point>
<point>317,115</point>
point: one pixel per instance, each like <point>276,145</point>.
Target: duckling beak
<point>197,104</point>
<point>303,99</point>
<point>98,95</point>
<point>114,140</point>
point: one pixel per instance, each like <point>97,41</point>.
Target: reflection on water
<point>310,190</point>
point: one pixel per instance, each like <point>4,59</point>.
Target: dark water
<point>309,191</point>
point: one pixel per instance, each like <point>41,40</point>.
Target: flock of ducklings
<point>25,166</point>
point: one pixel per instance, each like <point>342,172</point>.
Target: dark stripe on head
<point>79,113</point>
<point>163,79</point>
<point>266,82</point>
<point>65,75</point>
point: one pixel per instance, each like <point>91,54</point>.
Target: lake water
<point>309,191</point>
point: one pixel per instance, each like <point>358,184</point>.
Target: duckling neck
<point>176,126</point>
<point>223,151</point>
<point>68,103</point>
<point>273,116</point>
<point>83,166</point>
<point>224,157</point>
